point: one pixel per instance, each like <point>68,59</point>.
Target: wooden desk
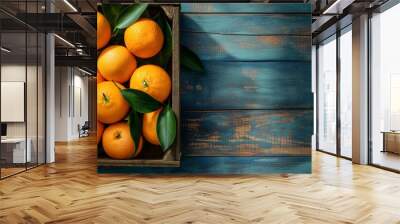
<point>391,141</point>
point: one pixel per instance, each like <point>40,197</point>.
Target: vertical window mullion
<point>338,80</point>
<point>26,87</point>
<point>369,77</point>
<point>317,97</point>
<point>37,89</point>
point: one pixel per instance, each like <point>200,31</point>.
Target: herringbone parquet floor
<point>70,191</point>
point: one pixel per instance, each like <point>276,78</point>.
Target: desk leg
<point>384,143</point>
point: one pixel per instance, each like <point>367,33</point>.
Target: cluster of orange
<point>117,69</point>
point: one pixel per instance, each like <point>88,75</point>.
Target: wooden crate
<point>172,157</point>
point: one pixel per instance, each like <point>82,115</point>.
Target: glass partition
<point>22,89</point>
<point>15,150</point>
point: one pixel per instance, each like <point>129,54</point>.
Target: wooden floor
<point>70,191</point>
<point>5,172</point>
<point>387,159</point>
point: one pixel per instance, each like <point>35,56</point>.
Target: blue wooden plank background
<point>248,85</point>
<point>224,165</point>
<point>247,132</point>
<point>232,8</point>
<point>254,99</point>
<point>211,46</point>
<point>268,24</point>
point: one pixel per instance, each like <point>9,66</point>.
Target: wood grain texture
<point>222,165</point>
<point>71,191</point>
<point>248,85</point>
<point>210,46</point>
<point>254,99</point>
<point>247,24</point>
<point>245,8</point>
<point>247,132</point>
<point>176,93</point>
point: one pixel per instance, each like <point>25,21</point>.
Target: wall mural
<point>217,88</point>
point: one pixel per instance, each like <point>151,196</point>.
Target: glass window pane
<point>346,94</point>
<point>385,114</point>
<point>327,96</point>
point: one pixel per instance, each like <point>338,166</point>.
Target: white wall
<point>16,73</point>
<point>81,85</point>
<point>71,94</point>
<point>61,103</point>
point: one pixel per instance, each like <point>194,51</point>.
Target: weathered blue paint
<point>248,48</point>
<point>247,85</point>
<point>245,8</point>
<point>254,98</point>
<point>224,165</point>
<point>247,24</point>
<point>247,132</point>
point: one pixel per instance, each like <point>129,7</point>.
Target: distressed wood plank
<point>247,24</point>
<point>245,8</point>
<point>224,165</point>
<point>247,133</point>
<point>248,48</point>
<point>248,85</point>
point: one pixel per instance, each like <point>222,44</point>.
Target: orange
<point>144,38</point>
<point>116,63</point>
<point>99,78</point>
<point>103,31</point>
<point>150,127</point>
<point>100,129</point>
<point>111,105</point>
<point>153,80</point>
<point>118,143</point>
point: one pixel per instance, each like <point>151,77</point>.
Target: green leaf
<point>166,128</point>
<point>190,60</point>
<point>166,52</point>
<point>112,12</point>
<point>140,101</point>
<point>130,15</point>
<point>135,127</point>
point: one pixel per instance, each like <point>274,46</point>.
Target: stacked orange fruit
<point>117,70</point>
